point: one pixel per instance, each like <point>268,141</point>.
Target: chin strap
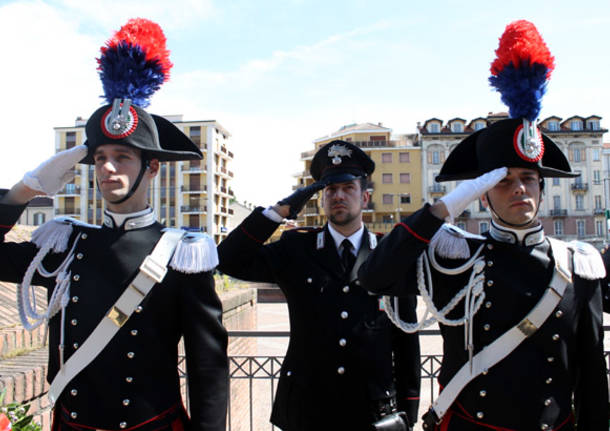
<point>493,211</point>
<point>136,184</point>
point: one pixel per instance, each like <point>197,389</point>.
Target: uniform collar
<point>129,221</point>
<point>527,237</point>
<point>355,238</point>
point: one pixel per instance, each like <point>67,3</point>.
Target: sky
<point>279,74</point>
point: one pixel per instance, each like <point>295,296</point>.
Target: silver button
<point>129,379</point>
<point>345,289</point>
<point>490,246</point>
<point>76,277</point>
<point>357,282</point>
<point>289,373</point>
<point>130,355</point>
<point>490,263</point>
<point>341,370</point>
<point>555,337</point>
<point>79,256</point>
<point>549,380</point>
<point>544,427</point>
<point>486,327</point>
<point>75,345</point>
<point>126,402</point>
<point>344,314</point>
<point>485,371</point>
<point>134,332</point>
<point>139,309</point>
<point>73,392</point>
<point>547,402</point>
<point>483,393</point>
<point>488,304</point>
<point>309,280</point>
<point>342,342</point>
<point>75,299</point>
<point>123,425</point>
<point>550,359</point>
<point>73,415</point>
<point>74,322</point>
<point>480,415</point>
<point>490,283</point>
<point>84,236</point>
<point>558,314</point>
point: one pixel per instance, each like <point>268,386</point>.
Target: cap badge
<point>119,121</point>
<point>338,151</point>
<point>528,143</point>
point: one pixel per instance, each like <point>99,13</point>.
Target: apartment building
<point>193,195</point>
<point>572,208</point>
<point>395,186</point>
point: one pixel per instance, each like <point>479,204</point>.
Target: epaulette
<point>55,233</point>
<point>588,262</point>
<point>451,242</point>
<point>196,252</point>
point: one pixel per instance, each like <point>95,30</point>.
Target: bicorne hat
<point>340,162</point>
<point>520,73</point>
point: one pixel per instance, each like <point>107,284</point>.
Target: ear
<point>153,167</point>
<point>366,197</point>
<point>484,200</point>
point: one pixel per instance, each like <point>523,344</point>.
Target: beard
<point>343,218</point>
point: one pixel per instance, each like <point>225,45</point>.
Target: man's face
<point>117,167</point>
<point>516,197</point>
<point>343,202</point>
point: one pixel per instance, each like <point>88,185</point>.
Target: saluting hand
<point>52,174</point>
<point>299,198</point>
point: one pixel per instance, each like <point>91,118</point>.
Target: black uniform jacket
<point>135,378</point>
<point>339,358</point>
<point>532,388</point>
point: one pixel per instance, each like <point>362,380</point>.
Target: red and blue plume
<point>522,69</point>
<point>135,62</point>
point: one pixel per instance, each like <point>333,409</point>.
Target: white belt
<point>510,340</point>
<point>152,271</point>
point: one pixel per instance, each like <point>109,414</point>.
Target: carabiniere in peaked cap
<point>132,67</point>
<point>520,73</point>
<point>340,162</point>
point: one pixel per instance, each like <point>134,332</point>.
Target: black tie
<point>347,257</point>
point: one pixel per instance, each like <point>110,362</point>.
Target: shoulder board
<point>588,262</point>
<point>55,233</point>
<point>196,252</point>
<point>451,242</point>
<point>305,229</point>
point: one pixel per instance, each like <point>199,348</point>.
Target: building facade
<point>395,186</point>
<point>193,195</point>
<point>572,208</point>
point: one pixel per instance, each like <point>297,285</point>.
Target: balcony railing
<point>194,188</point>
<point>599,211</point>
<point>579,187</point>
<point>193,208</point>
<point>187,168</point>
<point>69,189</point>
<point>67,211</point>
<point>437,189</point>
<point>557,212</point>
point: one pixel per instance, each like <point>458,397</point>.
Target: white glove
<point>467,191</point>
<point>52,174</point>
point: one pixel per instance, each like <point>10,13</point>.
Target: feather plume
<point>135,62</point>
<point>521,70</point>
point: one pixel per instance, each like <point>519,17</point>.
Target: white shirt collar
<point>355,238</point>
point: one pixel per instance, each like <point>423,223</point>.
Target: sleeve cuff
<point>272,215</point>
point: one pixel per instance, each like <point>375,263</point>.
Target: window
<point>388,199</point>
<point>483,227</point>
<point>598,202</point>
<point>577,154</point>
<point>596,177</point>
<point>553,126</point>
<point>575,125</point>
<point>556,202</point>
<point>386,178</point>
<point>461,225</point>
<point>481,207</point>
<point>457,127</point>
<point>434,128</point>
<point>555,181</point>
<point>386,157</point>
<point>599,228</point>
<point>70,189</point>
<point>405,178</point>
<point>39,219</point>
<point>479,125</point>
<point>593,125</point>
<point>195,134</point>
<point>436,157</point>
<point>558,227</point>
<point>403,157</point>
<point>596,154</point>
<point>580,202</point>
<point>580,228</point>
<point>405,198</point>
<point>70,141</point>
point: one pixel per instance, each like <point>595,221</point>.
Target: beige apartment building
<point>395,186</point>
<point>572,208</point>
<point>193,195</point>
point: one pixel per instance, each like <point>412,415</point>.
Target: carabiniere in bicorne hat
<point>340,162</point>
<point>132,66</point>
<point>520,73</point>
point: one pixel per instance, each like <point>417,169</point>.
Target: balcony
<point>69,189</point>
<point>197,169</point>
<point>369,208</point>
<point>231,212</point>
<point>224,210</point>
<point>196,188</point>
<point>231,192</point>
<point>230,154</point>
<point>311,209</point>
<point>67,211</point>
<point>223,190</point>
<point>557,212</point>
<point>579,187</point>
<point>599,211</point>
<point>437,189</point>
<point>198,209</point>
